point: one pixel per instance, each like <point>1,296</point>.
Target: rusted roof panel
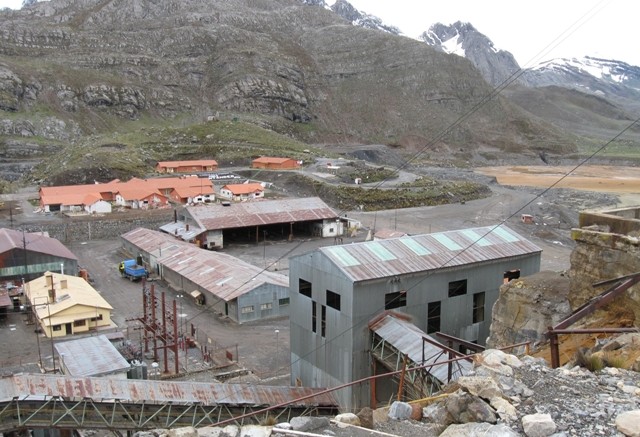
<point>260,212</point>
<point>407,339</point>
<point>151,391</point>
<point>34,242</point>
<point>223,275</point>
<point>419,253</point>
<point>91,356</point>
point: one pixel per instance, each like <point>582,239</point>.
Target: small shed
<point>92,356</point>
<point>527,219</point>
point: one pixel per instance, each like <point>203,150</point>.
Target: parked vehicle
<point>130,269</point>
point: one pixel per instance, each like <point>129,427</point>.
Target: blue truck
<point>130,269</point>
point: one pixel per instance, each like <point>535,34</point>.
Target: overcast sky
<point>601,28</point>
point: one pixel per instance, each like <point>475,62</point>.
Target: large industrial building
<point>228,285</point>
<point>445,282</point>
<point>212,226</point>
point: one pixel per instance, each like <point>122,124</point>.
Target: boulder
<point>216,431</point>
<point>400,411</point>
<point>437,413</point>
<point>366,417</point>
<point>481,386</point>
<point>465,408</point>
<point>538,425</point>
<point>187,431</point>
<point>348,418</point>
<point>628,423</point>
<point>309,423</point>
<point>479,430</point>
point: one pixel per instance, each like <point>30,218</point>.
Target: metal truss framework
<point>56,412</point>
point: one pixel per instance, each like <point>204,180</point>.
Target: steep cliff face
<point>526,307</point>
<point>94,62</point>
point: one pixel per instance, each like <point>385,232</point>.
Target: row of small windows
<point>265,306</point>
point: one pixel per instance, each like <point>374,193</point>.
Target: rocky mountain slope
<point>590,97</point>
<point>91,73</point>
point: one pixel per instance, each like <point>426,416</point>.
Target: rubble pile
<point>505,396</point>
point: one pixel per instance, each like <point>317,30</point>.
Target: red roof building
<point>187,166</point>
<point>270,163</point>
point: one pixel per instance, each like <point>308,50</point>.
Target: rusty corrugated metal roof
<point>151,391</point>
<point>419,253</point>
<point>91,356</point>
<point>260,212</point>
<point>34,242</point>
<point>223,275</point>
<point>407,338</point>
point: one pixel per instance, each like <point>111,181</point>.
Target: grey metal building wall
<point>265,301</point>
<point>342,355</point>
<point>13,264</point>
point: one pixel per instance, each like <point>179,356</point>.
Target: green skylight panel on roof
<point>506,236</point>
<point>380,251</point>
<point>343,256</point>
<point>476,238</point>
<point>417,248</point>
<point>446,241</point>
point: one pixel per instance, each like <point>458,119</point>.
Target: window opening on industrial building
<point>395,300</point>
<point>57,327</point>
<point>314,316</point>
<point>458,288</point>
<point>511,275</point>
<point>284,301</point>
<point>333,300</point>
<point>93,319</point>
<point>323,321</point>
<point>247,309</point>
<point>266,306</point>
<point>79,322</point>
<point>433,317</point>
<point>304,287</point>
<point>478,307</point>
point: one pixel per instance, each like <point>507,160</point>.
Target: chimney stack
<point>51,289</point>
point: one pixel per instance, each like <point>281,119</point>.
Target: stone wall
<point>600,255</point>
<point>107,227</point>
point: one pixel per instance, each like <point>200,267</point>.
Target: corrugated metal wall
<point>341,355</point>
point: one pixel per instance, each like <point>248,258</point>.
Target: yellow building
<point>65,305</point>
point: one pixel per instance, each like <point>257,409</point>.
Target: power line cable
<point>495,92</point>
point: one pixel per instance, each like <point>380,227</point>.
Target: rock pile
<point>505,396</point>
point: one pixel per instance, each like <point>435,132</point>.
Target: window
<point>333,300</point>
<point>79,322</point>
<point>433,317</point>
<point>57,327</point>
<point>323,322</point>
<point>510,275</point>
<point>246,310</point>
<point>266,306</point>
<point>395,300</point>
<point>304,288</point>
<point>478,307</point>
<point>314,316</point>
<point>458,288</point>
<point>284,301</point>
<point>93,319</point>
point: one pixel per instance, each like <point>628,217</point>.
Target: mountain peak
<point>464,40</point>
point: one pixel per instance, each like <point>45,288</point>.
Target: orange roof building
<point>135,193</point>
<point>271,163</point>
<point>241,192</point>
<point>187,166</point>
